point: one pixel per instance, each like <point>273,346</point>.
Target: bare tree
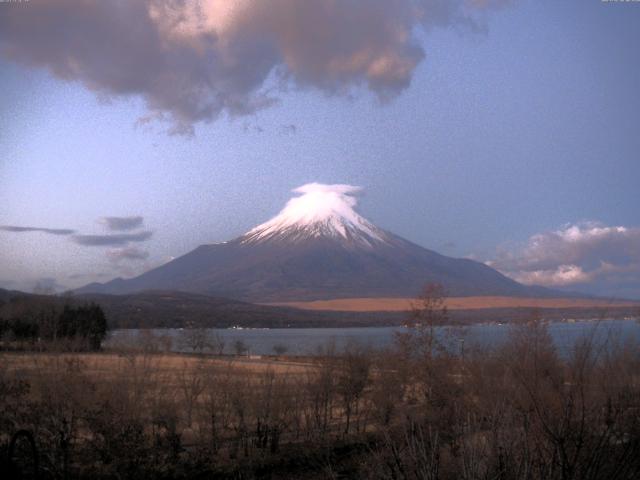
<point>428,312</point>
<point>191,383</point>
<point>217,343</point>
<point>240,347</point>
<point>353,377</point>
<point>280,349</point>
<point>196,339</point>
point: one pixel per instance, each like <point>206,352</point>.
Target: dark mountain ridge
<point>315,270</point>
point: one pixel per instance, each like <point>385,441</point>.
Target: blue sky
<point>517,129</point>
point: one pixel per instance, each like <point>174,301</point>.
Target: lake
<point>307,341</point>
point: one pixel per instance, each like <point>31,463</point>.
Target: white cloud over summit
<point>320,209</point>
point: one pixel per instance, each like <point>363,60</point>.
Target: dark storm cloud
<point>51,231</point>
<point>192,61</point>
<point>111,240</point>
<point>127,254</point>
<point>122,223</point>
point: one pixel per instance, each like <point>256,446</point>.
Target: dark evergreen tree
<point>96,326</point>
<point>30,322</point>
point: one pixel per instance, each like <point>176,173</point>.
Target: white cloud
<point>561,276</point>
<point>579,254</point>
<point>320,207</point>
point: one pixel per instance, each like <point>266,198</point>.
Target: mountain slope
<point>318,247</point>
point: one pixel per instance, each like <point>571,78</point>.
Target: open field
<point>107,365</point>
<point>455,303</point>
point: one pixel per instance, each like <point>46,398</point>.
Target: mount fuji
<point>318,247</point>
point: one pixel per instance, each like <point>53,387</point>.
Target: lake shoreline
<point>308,341</point>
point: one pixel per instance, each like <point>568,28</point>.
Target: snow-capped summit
<point>322,211</point>
<point>317,247</point>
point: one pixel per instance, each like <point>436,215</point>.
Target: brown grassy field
<point>455,303</point>
<point>107,365</point>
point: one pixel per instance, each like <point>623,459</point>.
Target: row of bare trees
<point>193,339</point>
<point>419,410</point>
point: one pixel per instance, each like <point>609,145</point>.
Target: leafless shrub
<point>353,372</point>
<point>191,385</point>
<point>240,347</point>
<point>280,349</point>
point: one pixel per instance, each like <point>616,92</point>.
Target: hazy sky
<point>504,131</point>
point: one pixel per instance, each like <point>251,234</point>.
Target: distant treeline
<point>172,309</point>
<point>182,310</point>
<point>26,321</point>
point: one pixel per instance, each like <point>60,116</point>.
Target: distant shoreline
<point>386,304</point>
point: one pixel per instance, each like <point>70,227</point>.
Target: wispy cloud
<point>122,223</point>
<point>47,286</point>
<point>193,61</point>
<point>127,253</point>
<point>80,276</point>
<point>7,284</point>
<point>112,240</point>
<point>51,231</point>
<point>112,223</point>
<point>290,129</point>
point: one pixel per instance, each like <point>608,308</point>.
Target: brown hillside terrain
<point>455,303</point>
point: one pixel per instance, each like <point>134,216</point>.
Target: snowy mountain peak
<point>320,211</point>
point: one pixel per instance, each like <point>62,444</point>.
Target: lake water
<point>307,341</point>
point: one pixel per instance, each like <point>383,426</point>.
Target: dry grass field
<point>106,366</point>
<point>455,303</point>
